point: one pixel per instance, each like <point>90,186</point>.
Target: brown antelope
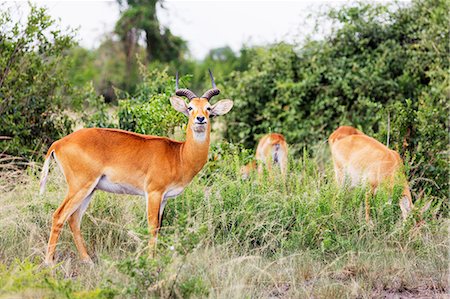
<point>128,163</point>
<point>362,159</point>
<point>272,149</point>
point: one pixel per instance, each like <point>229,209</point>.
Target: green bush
<point>32,82</point>
<point>105,66</point>
<point>30,280</point>
<point>96,113</point>
<point>149,111</point>
<point>381,63</point>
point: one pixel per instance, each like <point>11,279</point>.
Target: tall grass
<point>227,238</point>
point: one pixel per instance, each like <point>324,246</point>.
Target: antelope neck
<point>194,154</point>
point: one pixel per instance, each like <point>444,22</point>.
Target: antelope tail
<point>45,169</point>
<point>406,204</point>
<point>276,153</point>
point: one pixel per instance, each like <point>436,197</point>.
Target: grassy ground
<point>226,238</point>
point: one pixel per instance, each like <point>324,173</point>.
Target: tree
<point>140,17</point>
<point>32,82</point>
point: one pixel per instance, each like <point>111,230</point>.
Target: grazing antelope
<point>272,149</point>
<point>362,159</point>
<point>128,163</point>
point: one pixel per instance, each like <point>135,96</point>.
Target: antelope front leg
<point>153,204</point>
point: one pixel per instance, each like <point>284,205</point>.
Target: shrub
<point>32,82</point>
<point>149,111</point>
<point>96,112</point>
<point>381,62</point>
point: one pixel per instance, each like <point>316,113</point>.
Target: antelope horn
<point>184,92</point>
<point>212,78</point>
<point>213,91</point>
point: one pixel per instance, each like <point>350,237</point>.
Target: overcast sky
<point>204,24</point>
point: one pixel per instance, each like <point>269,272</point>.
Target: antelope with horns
<point>128,163</point>
<point>272,150</point>
<point>362,159</point>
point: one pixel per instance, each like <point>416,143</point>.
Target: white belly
<point>171,192</point>
<point>119,188</point>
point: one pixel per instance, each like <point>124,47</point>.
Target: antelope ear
<point>221,107</point>
<point>180,105</point>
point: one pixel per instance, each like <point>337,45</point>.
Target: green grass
<point>226,238</point>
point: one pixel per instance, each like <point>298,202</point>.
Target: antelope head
<point>199,110</point>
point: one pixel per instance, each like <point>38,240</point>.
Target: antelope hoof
<point>49,262</point>
<point>370,223</point>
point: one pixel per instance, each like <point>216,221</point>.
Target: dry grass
<point>223,238</point>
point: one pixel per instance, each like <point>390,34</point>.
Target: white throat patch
<point>200,136</point>
<point>199,133</point>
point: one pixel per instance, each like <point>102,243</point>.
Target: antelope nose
<point>200,118</point>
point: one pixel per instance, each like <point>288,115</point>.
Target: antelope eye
<point>209,108</point>
<point>190,108</point>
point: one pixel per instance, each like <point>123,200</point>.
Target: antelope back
<point>342,132</point>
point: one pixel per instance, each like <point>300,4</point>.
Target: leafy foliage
<point>32,82</point>
<point>382,63</point>
<point>96,112</point>
<point>149,111</point>
<point>27,277</point>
